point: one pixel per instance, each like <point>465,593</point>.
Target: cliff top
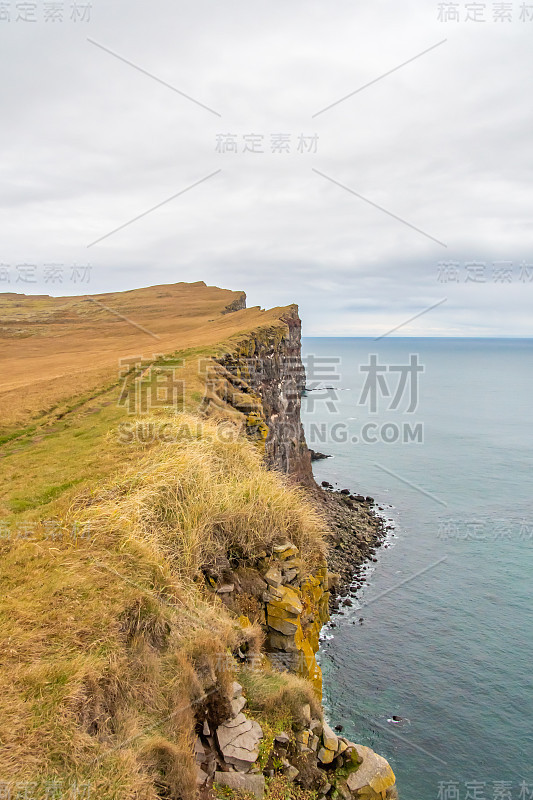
<point>57,349</point>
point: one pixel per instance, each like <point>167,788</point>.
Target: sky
<point>368,161</point>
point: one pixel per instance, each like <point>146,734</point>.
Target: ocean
<point>439,432</point>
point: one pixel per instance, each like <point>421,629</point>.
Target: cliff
<point>165,569</point>
<point>263,376</point>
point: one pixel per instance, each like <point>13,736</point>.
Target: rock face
<point>266,379</point>
<point>238,305</point>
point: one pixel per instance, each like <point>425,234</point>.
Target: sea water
<point>439,432</point>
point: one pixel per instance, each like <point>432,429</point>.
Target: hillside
<point>164,576</point>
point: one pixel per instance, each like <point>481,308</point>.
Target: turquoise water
<point>447,636</point>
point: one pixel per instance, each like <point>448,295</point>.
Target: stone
<point>282,739</point>
<point>227,732</point>
<point>206,730</point>
<point>289,602</point>
<point>313,743</point>
<point>239,743</point>
<point>341,748</point>
<point>273,577</point>
<point>291,772</point>
<point>255,784</point>
<point>373,774</point>
<point>237,705</point>
<point>306,713</point>
<point>201,776</point>
<point>343,790</point>
<point>330,739</point>
<point>284,626</point>
<point>291,574</point>
<point>316,726</point>
<point>236,689</point>
<point>285,550</point>
<point>199,750</point>
<point>226,588</point>
<point>326,756</point>
<point>303,738</point>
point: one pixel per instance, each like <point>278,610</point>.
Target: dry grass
<point>203,495</point>
<point>55,349</point>
<point>112,647</point>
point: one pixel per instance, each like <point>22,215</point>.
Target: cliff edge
<point>165,556</point>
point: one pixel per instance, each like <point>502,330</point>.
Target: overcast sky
<point>412,177</point>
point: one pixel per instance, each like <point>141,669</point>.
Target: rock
<point>240,743</point>
<point>282,550</point>
<point>330,739</point>
<point>339,728</point>
<point>316,456</point>
<point>313,743</point>
<point>282,739</point>
<point>201,777</point>
<point>291,772</point>
<point>306,713</point>
<point>303,738</point>
<point>226,588</point>
<point>273,577</point>
<point>345,491</point>
<point>374,776</point>
<point>316,726</point>
<point>237,705</point>
<point>326,756</point>
<point>206,730</point>
<point>236,689</point>
<point>289,602</point>
<point>255,784</point>
<point>199,750</point>
<point>228,732</point>
<point>343,746</point>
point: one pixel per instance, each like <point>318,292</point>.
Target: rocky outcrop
<point>239,304</point>
<point>263,377</point>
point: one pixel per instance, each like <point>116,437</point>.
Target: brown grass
<point>201,497</point>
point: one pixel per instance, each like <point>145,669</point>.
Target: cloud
<point>442,144</point>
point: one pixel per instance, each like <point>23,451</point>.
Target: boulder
<point>239,740</point>
<point>273,577</point>
<point>373,778</point>
<point>255,784</point>
<point>326,756</point>
<point>330,739</point>
<point>237,705</point>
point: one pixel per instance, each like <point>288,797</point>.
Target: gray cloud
<point>88,143</point>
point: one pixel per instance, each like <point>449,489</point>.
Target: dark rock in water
<point>370,500</point>
<point>347,602</point>
<point>374,560</point>
<point>326,485</point>
<point>339,728</point>
<point>358,497</point>
<point>345,491</point>
<point>316,456</point>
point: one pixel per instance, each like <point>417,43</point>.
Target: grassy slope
<point>109,640</point>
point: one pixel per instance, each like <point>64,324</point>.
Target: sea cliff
<point>167,565</point>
